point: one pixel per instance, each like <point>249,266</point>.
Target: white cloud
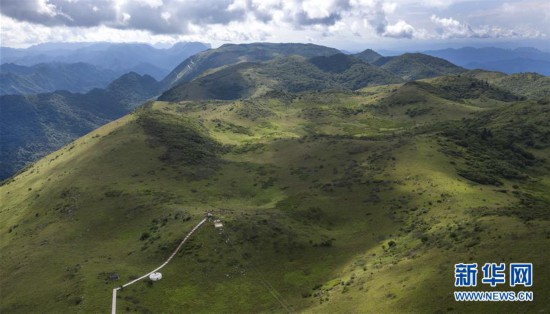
<point>46,8</point>
<point>150,3</point>
<point>450,28</point>
<point>26,22</point>
<point>399,30</point>
<point>166,15</point>
<point>437,3</point>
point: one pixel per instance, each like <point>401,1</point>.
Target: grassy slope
<point>530,85</point>
<point>311,191</point>
<point>288,74</point>
<point>229,54</point>
<point>413,66</point>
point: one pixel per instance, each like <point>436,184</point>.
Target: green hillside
<point>332,201</point>
<point>244,71</point>
<point>525,84</point>
<point>292,74</point>
<point>414,66</point>
<point>234,53</point>
<point>368,55</point>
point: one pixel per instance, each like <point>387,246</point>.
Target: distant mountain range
<point>497,59</point>
<point>118,57</point>
<point>33,125</point>
<point>260,68</point>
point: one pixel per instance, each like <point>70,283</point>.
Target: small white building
<point>218,224</point>
<point>155,276</point>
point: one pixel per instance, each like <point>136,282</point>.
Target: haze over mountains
<point>49,77</point>
<point>120,58</point>
<point>509,61</point>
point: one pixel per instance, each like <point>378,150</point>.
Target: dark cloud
<point>175,16</point>
<point>130,15</point>
<point>376,18</point>
<point>303,17</point>
<point>87,13</point>
<point>51,13</point>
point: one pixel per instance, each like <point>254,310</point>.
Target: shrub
<point>144,236</point>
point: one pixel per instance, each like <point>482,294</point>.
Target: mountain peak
<point>368,55</point>
<point>232,53</point>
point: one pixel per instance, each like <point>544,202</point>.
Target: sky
<point>345,24</point>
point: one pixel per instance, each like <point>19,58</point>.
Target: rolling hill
<point>292,74</point>
<point>35,125</point>
<point>414,66</point>
<point>526,84</point>
<point>332,201</point>
<point>232,53</point>
<point>368,55</point>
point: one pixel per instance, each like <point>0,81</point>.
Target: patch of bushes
<point>418,111</point>
<point>186,140</point>
<point>144,236</point>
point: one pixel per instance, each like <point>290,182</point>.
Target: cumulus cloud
<point>273,20</point>
<point>450,28</point>
<point>375,14</point>
<point>399,30</point>
<point>176,16</point>
<point>149,15</point>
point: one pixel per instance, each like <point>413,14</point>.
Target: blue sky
<point>345,24</point>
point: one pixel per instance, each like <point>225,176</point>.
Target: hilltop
<point>234,53</point>
<point>368,55</point>
<point>414,66</point>
<point>292,74</point>
<point>251,76</point>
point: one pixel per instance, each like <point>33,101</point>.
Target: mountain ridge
<point>118,57</point>
<point>232,53</point>
<point>293,74</point>
<point>509,61</point>
<point>34,125</point>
